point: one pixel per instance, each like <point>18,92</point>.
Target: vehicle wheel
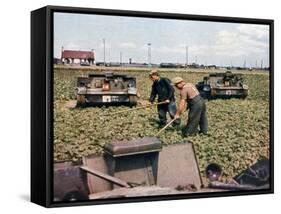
<point>245,94</point>
<point>133,100</point>
<point>205,95</point>
<point>81,101</point>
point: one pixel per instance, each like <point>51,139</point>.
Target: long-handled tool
<point>106,177</point>
<point>168,124</point>
<point>137,108</point>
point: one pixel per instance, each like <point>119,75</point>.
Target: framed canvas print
<point>134,106</point>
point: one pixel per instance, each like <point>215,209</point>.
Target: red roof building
<point>73,56</point>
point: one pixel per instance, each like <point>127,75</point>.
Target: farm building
<point>57,61</point>
<point>75,57</point>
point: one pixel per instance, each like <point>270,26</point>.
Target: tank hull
<point>106,89</point>
<point>223,85</point>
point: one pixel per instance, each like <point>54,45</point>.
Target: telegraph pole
<point>245,63</point>
<point>103,40</point>
<point>93,60</point>
<point>120,58</point>
<point>149,54</point>
<point>186,56</point>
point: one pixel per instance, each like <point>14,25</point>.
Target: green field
<point>238,129</point>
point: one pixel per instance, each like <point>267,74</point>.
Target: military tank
<point>146,167</point>
<point>106,89</point>
<point>223,85</point>
<point>129,168</point>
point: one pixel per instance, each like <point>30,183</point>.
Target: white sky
<point>209,42</point>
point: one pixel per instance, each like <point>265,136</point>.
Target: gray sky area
<point>208,42</point>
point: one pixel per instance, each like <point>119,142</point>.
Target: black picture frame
<point>42,103</point>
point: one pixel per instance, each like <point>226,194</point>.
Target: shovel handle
<point>137,108</point>
<point>168,124</point>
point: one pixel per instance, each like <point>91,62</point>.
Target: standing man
<point>162,88</point>
<point>197,108</point>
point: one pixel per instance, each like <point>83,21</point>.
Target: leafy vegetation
<point>238,129</point>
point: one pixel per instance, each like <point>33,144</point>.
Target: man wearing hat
<point>197,109</point>
<point>162,88</point>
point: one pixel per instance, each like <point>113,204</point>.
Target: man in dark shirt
<point>162,88</point>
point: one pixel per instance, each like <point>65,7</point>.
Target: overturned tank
<point>145,167</point>
<point>222,85</point>
<point>106,89</point>
<point>129,168</point>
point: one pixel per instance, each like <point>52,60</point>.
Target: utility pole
<point>149,54</point>
<point>62,49</point>
<point>245,63</point>
<point>121,58</point>
<point>186,56</point>
<point>261,63</point>
<point>93,60</point>
<point>103,51</point>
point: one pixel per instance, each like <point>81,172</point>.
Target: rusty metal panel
<point>138,169</point>
<point>133,147</point>
<point>98,163</point>
<point>135,192</point>
<point>178,166</point>
<point>68,179</point>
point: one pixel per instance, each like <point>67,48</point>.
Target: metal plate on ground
<point>177,166</point>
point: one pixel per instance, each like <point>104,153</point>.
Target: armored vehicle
<point>146,167</point>
<point>222,85</point>
<point>106,88</point>
<point>129,168</point>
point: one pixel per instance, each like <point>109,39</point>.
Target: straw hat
<point>177,80</point>
<point>153,72</point>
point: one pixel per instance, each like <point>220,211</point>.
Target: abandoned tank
<point>223,85</point>
<point>106,89</point>
<point>145,167</point>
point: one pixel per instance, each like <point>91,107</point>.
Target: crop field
<point>238,129</point>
